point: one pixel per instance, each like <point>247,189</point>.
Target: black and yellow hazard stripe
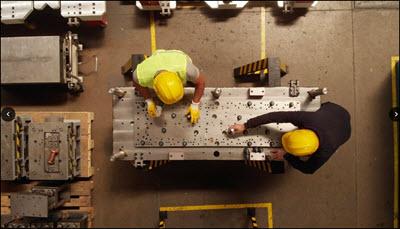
<point>18,148</point>
<point>256,68</point>
<point>251,68</point>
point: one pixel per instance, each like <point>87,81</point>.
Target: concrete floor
<point>337,46</point>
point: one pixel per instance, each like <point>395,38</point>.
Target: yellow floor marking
<point>263,47</point>
<point>152,32</point>
<point>396,149</point>
<point>268,206</point>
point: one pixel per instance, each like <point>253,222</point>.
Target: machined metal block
<point>39,200</point>
<point>85,10</point>
<point>41,60</point>
<point>31,60</point>
<point>15,12</point>
<point>54,150</point>
<point>171,136</point>
<point>29,204</point>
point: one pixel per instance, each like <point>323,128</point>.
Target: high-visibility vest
<point>169,60</point>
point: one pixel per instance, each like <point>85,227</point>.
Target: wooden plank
<point>85,117</point>
<point>5,200</point>
<point>87,169</point>
<point>5,210</point>
<point>82,188</point>
<point>81,201</point>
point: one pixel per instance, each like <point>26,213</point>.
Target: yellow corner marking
<point>396,145</point>
<point>263,47</point>
<point>152,32</point>
<point>268,206</point>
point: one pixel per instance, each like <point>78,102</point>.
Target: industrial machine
<point>91,12</point>
<point>289,6</point>
<point>41,60</point>
<point>148,142</point>
<point>49,150</point>
<point>75,219</point>
<point>39,200</point>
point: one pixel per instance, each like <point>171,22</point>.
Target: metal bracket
<point>73,21</point>
<point>165,8</point>
<point>293,88</point>
<point>176,156</point>
<point>317,92</point>
<point>256,92</point>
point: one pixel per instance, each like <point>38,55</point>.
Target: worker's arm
<point>199,89</point>
<point>153,110</point>
<point>294,117</point>
<point>309,166</point>
<point>144,91</point>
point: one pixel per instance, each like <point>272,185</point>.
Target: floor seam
<point>355,115</point>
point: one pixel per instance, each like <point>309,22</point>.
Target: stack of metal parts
<point>41,60</point>
<point>39,201</point>
<point>40,151</point>
<point>71,220</point>
<point>16,12</point>
<point>144,140</point>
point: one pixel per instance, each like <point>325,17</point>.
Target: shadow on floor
<point>34,95</point>
<point>286,19</point>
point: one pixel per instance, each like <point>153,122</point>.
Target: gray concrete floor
<point>337,46</point>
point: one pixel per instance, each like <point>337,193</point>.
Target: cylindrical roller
<point>119,155</point>
<point>316,92</point>
<point>117,91</point>
<point>217,93</point>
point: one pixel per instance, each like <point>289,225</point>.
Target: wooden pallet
<point>87,143</point>
<point>81,197</point>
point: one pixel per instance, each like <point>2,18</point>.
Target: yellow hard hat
<point>168,87</point>
<point>300,142</point>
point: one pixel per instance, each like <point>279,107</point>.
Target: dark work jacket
<point>331,123</point>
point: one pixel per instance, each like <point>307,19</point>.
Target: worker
<point>319,135</point>
<point>167,71</point>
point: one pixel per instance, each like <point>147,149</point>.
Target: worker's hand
<point>152,109</point>
<point>193,112</point>
<point>237,128</point>
<point>277,154</point>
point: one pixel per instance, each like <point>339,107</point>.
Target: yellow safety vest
<point>169,60</point>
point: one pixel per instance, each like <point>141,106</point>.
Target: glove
<point>153,110</point>
<point>193,112</point>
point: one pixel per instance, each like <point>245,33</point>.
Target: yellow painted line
<point>152,32</point>
<point>262,26</point>
<point>268,206</point>
<point>396,148</point>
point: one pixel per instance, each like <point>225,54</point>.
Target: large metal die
<point>38,201</point>
<point>41,60</point>
<point>139,138</point>
<point>54,150</point>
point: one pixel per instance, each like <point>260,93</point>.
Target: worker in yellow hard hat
<point>319,135</point>
<point>166,72</point>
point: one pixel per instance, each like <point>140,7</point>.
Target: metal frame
<point>131,125</point>
<point>38,201</point>
<point>61,53</point>
<point>16,12</point>
<point>40,151</point>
